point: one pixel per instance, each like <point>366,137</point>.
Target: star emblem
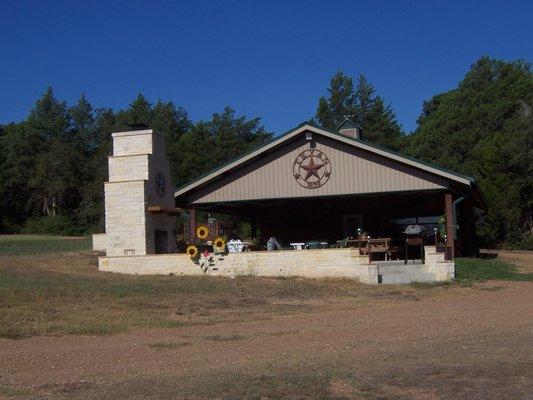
<point>160,184</point>
<point>312,168</point>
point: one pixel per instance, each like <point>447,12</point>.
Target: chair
<point>340,244</point>
<point>275,244</point>
<point>393,252</point>
<point>235,246</point>
<point>379,245</point>
<point>312,245</point>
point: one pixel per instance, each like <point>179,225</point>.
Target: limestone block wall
<point>132,143</point>
<point>320,263</point>
<point>128,168</point>
<point>436,264</point>
<point>99,242</point>
<point>125,214</point>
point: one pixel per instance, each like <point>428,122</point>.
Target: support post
<point>192,224</point>
<point>450,240</point>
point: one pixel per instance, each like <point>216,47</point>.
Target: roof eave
<point>308,126</point>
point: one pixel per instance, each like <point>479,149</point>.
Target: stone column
<point>450,239</point>
<point>139,200</point>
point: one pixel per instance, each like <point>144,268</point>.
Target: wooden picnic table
<point>360,243</point>
<point>354,242</point>
<point>379,245</point>
<point>372,245</point>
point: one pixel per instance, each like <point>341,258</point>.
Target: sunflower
<point>192,251</point>
<point>219,243</point>
<point>202,232</point>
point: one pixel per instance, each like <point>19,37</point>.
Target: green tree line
<point>53,164</point>
<point>482,128</point>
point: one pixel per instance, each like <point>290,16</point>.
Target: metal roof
<point>310,127</point>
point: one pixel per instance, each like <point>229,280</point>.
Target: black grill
<point>414,236</point>
<point>415,230</point>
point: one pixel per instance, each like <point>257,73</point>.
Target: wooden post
<point>450,241</point>
<point>192,224</point>
<point>405,240</point>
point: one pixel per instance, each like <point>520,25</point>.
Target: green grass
<point>64,293</point>
<point>478,270</point>
<point>37,244</point>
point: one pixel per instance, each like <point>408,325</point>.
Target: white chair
<point>235,246</point>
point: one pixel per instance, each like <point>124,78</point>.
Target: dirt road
<point>446,343</point>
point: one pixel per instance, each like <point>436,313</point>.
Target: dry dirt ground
<point>522,259</point>
<point>444,342</point>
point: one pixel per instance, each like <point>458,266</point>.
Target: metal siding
<point>353,171</point>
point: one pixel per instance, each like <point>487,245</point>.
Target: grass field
<point>469,270</point>
<point>251,337</point>
<point>53,294</point>
<point>37,244</point>
<point>63,293</point>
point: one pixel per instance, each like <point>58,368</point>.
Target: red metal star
<point>312,169</point>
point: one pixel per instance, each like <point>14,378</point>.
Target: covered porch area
<point>342,221</point>
<point>321,190</point>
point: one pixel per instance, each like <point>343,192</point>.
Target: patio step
<point>404,274</point>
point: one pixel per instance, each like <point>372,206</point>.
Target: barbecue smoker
<point>414,236</point>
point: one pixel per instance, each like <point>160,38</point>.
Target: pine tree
<point>49,117</point>
<point>376,119</point>
<point>83,125</point>
<point>484,128</point>
<point>139,112</point>
<point>215,142</point>
<point>361,105</point>
<point>339,104</point>
<point>233,136</point>
<point>52,180</point>
<point>90,212</point>
<point>173,122</point>
<point>19,148</point>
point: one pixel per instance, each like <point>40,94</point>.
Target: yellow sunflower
<point>219,243</point>
<point>202,232</point>
<point>192,251</point>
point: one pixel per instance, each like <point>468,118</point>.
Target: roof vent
<point>348,128</point>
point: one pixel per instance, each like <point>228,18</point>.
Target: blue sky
<point>271,59</point>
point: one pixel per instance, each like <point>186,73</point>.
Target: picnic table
<point>355,242</point>
<point>298,246</point>
<point>316,244</point>
<point>367,246</point>
<point>379,245</point>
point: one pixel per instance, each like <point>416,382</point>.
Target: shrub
<point>525,244</point>
<point>58,225</point>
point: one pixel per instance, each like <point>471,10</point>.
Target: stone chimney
<point>139,200</point>
<point>348,128</point>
